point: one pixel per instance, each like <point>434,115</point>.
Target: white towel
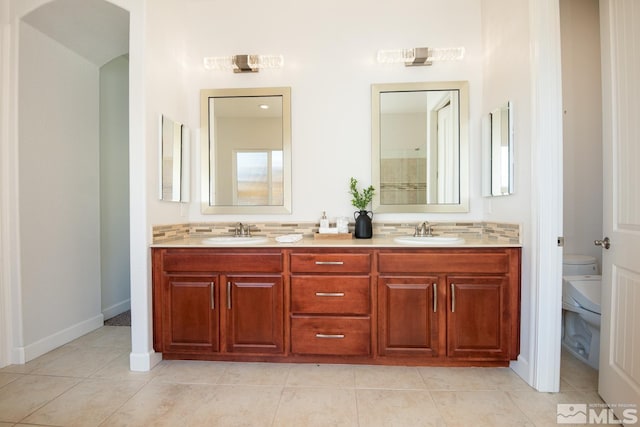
<point>289,238</point>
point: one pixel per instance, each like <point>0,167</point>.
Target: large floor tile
<point>6,378</point>
<point>256,374</point>
<point>317,407</point>
<point>389,377</point>
<point>479,409</point>
<point>119,369</point>
<point>38,362</point>
<point>23,396</point>
<point>542,408</point>
<point>462,379</point>
<point>577,374</point>
<point>82,362</point>
<point>166,404</point>
<point>413,408</point>
<point>159,404</point>
<point>315,375</point>
<point>106,336</point>
<point>190,371</point>
<point>230,405</point>
<point>87,404</point>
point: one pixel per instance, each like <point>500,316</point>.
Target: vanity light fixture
<point>243,63</point>
<point>420,55</point>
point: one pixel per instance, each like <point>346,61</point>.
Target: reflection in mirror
<point>172,141</point>
<point>419,147</point>
<point>246,150</point>
<point>499,151</point>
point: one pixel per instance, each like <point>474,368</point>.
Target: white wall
<point>114,187</point>
<point>582,127</point>
<point>59,193</point>
<point>507,77</point>
<point>329,51</point>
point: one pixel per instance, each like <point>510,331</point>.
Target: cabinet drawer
<point>247,261</point>
<point>443,262</point>
<point>331,335</point>
<point>330,263</point>
<point>330,294</point>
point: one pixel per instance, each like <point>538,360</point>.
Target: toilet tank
<point>579,265</point>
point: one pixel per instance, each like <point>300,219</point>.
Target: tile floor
<point>87,383</point>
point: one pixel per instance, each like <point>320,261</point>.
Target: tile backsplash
<point>500,232</point>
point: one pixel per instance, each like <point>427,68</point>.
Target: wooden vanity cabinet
<point>416,306</point>
<point>217,301</point>
<point>459,305</point>
<point>409,319</point>
<point>330,303</point>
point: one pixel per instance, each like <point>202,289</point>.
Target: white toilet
<point>581,285</point>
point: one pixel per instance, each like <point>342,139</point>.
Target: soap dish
<point>332,236</point>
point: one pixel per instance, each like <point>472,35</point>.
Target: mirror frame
<point>463,89</point>
<point>207,154</point>
<point>179,156</point>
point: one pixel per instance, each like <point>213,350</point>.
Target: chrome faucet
<point>242,230</point>
<point>423,230</point>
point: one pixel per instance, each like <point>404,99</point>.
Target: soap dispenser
<point>324,221</point>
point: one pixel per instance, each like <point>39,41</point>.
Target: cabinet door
<point>190,314</point>
<point>408,315</point>
<point>255,314</point>
<point>478,319</point>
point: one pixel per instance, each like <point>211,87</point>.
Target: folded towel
<point>328,230</point>
<point>289,238</point>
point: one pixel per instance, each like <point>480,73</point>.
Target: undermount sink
<point>235,240</point>
<point>429,240</point>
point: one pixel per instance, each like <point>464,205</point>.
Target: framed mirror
<point>498,151</point>
<point>246,150</point>
<point>419,146</point>
<point>173,176</point>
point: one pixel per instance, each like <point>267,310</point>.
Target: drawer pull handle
<point>435,297</point>
<point>329,294</point>
<point>453,297</point>
<point>330,336</point>
<point>229,295</point>
<point>329,262</point>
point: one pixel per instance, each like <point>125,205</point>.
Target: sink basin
<point>233,240</point>
<point>429,240</point>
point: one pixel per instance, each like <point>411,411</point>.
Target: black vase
<point>363,228</point>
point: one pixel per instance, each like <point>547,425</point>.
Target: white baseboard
<point>523,369</point>
<point>46,344</point>
<point>143,362</point>
<point>116,309</point>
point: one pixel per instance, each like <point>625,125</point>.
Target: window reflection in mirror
<point>246,150</point>
<point>419,146</point>
<point>172,142</point>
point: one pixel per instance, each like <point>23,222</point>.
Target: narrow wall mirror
<point>173,143</point>
<point>498,151</point>
<point>246,150</point>
<point>420,152</point>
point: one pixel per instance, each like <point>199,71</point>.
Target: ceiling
<point>95,29</point>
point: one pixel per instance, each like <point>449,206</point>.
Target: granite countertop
<point>310,242</point>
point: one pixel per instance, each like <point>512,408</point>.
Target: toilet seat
<point>583,292</point>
